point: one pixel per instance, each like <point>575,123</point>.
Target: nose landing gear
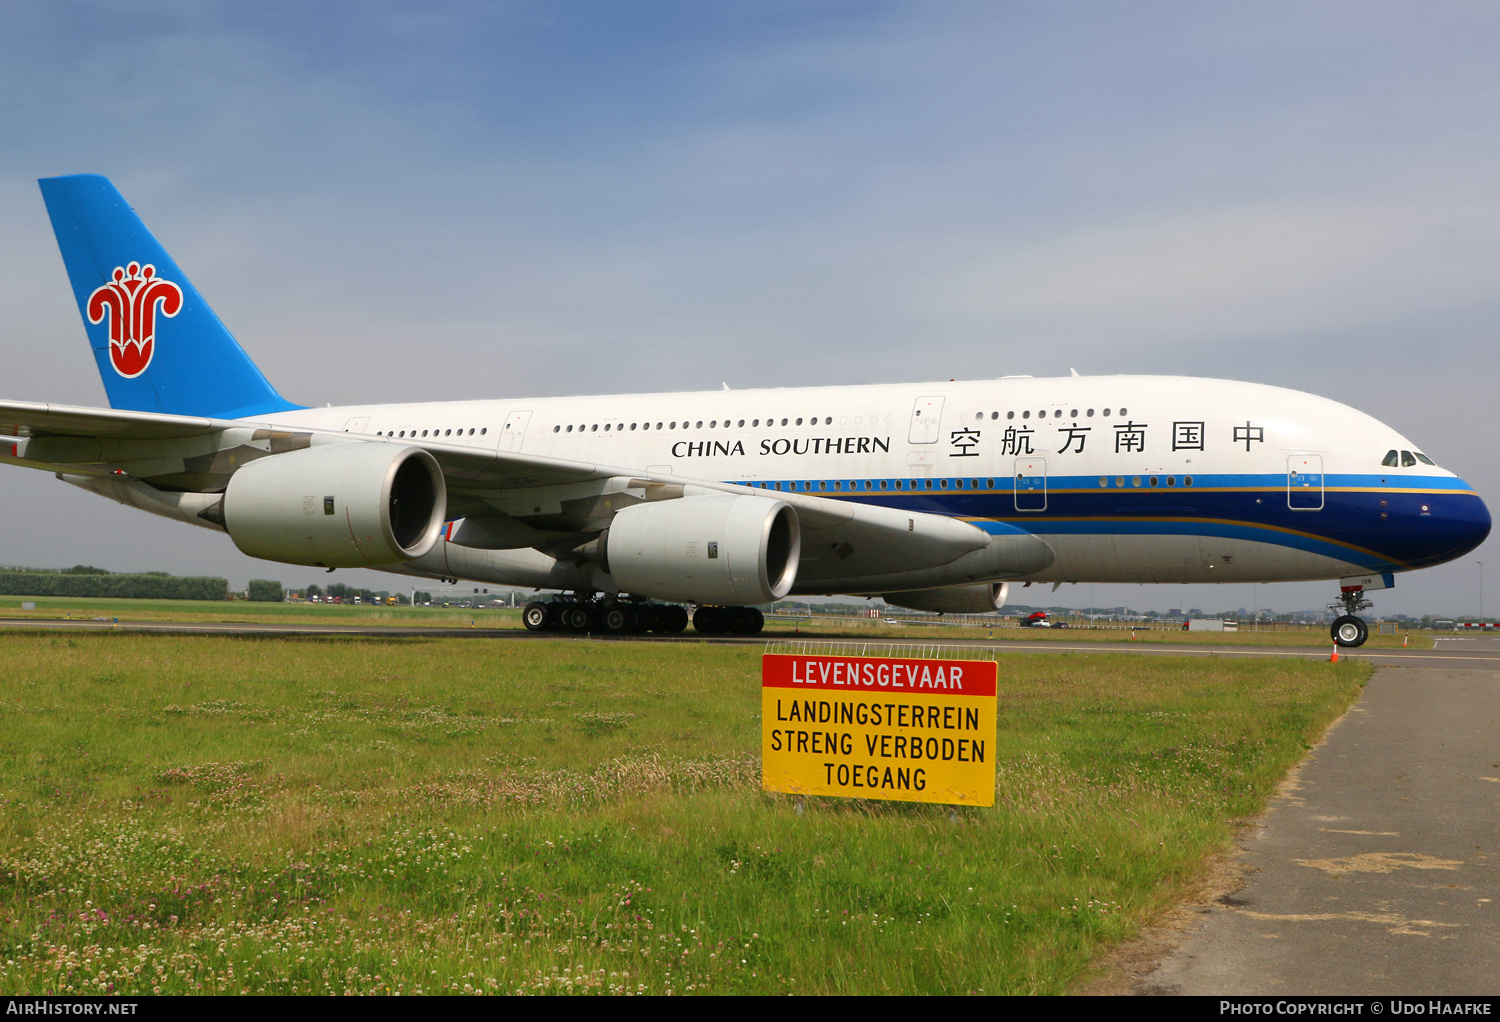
<point>1348,629</point>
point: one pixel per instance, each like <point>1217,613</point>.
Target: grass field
<point>241,611</point>
<point>185,814</point>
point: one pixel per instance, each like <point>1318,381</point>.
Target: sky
<point>396,202</point>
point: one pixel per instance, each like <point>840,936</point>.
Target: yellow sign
<point>870,727</point>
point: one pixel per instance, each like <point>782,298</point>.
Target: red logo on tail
<point>130,302</point>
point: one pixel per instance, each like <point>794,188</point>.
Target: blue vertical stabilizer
<point>159,347</point>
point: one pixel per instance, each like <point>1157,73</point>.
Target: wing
<point>90,440</point>
<point>553,496</point>
<point>35,419</point>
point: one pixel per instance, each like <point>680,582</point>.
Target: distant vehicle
<point>1036,619</point>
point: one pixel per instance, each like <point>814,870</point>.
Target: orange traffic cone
<point>1335,658</point>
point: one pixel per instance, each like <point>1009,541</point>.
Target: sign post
<point>909,730</point>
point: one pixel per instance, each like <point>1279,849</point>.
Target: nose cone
<point>1459,523</point>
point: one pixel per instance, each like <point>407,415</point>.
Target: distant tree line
<point>86,580</point>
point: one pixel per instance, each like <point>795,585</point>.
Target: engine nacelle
<point>727,550</point>
<point>980,599</point>
<point>346,505</point>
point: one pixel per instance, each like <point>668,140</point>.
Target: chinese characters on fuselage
<point>1130,438</point>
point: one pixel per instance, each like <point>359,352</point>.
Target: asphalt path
<point>1377,870</point>
<point>1458,652</point>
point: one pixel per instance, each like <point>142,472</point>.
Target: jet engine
<point>346,505</point>
<point>980,599</point>
<point>727,550</point>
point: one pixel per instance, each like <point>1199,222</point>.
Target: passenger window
<point>1389,461</point>
<point>1407,461</point>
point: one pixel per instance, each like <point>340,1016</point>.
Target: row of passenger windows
<point>686,424</point>
<point>1408,459</point>
<point>864,485</point>
<point>858,485</point>
<point>1150,481</point>
<point>1056,413</point>
<point>826,420</point>
<point>436,432</point>
<point>814,420</point>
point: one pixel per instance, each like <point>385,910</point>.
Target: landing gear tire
<point>1349,631</point>
<point>709,620</point>
<point>576,619</point>
<point>677,620</point>
<point>617,620</point>
<point>535,617</point>
<point>746,620</point>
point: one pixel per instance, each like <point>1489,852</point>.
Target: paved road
<point>1460,652</point>
<point>1378,872</point>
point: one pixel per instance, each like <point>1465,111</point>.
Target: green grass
<point>244,612</point>
<point>183,814</point>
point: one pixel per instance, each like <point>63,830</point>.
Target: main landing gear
<point>582,615</point>
<point>611,617</point>
<point>1348,629</point>
<point>729,620</point>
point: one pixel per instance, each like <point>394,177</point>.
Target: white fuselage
<point>1128,479</point>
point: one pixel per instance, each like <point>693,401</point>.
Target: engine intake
<point>714,550</point>
<point>346,505</point>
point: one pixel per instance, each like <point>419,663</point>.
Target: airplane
<point>937,495</point>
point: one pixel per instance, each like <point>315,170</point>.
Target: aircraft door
<point>514,431</point>
<point>358,424</point>
<point>1304,482</point>
<point>1031,484</point>
<point>926,420</point>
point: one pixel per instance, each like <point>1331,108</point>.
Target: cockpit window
<point>1389,460</point>
<point>1407,461</point>
<point>1424,459</point>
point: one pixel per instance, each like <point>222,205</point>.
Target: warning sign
<point>871,727</point>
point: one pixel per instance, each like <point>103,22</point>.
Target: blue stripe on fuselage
<point>1384,523</point>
